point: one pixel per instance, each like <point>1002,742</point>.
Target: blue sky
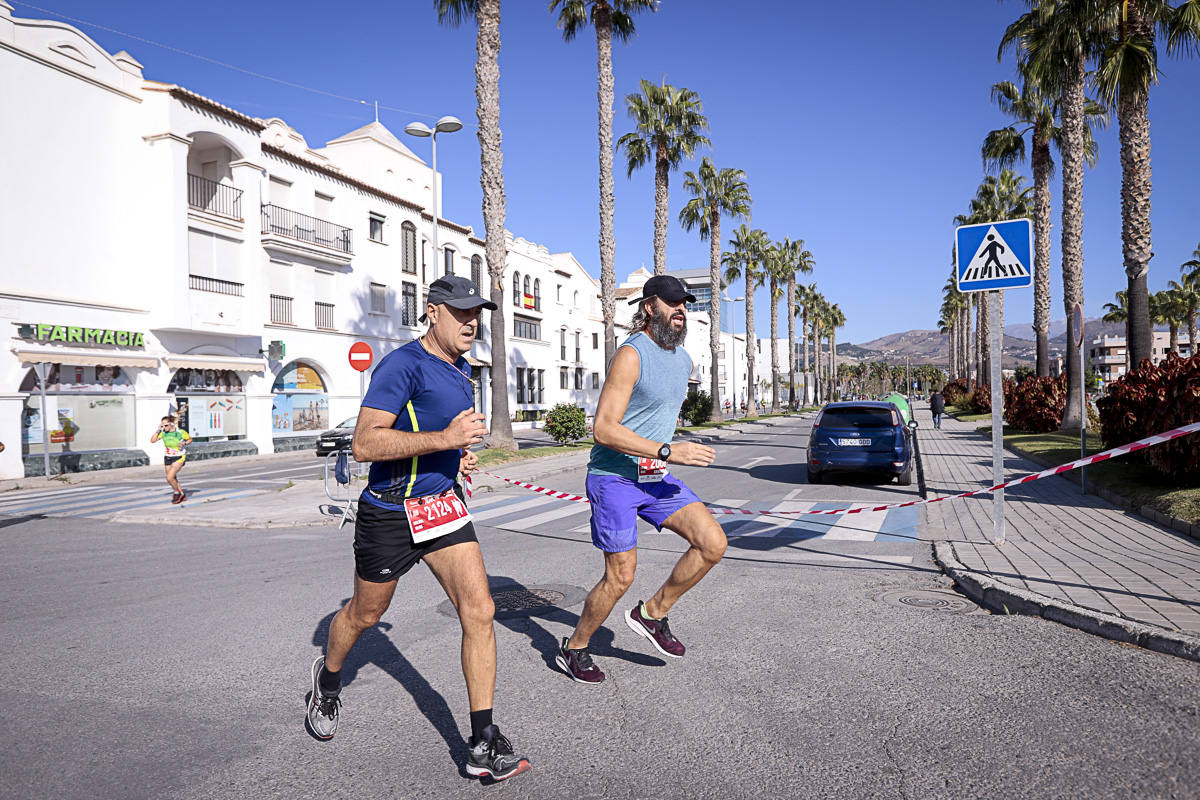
<point>858,125</point>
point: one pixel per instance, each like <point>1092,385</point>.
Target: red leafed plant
<point>1036,405</point>
<point>955,391</point>
<point>1153,399</point>
<point>981,399</point>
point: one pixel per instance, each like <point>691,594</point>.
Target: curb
<point>182,522</point>
<point>1000,597</point>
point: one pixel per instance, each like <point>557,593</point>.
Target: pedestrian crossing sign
<point>994,255</point>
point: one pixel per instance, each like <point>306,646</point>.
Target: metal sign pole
<point>42,371</point>
<point>362,387</point>
<point>997,338</point>
<point>1083,416</point>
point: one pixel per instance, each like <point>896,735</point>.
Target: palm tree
<point>799,260</point>
<point>1128,66</point>
<point>835,319</point>
<point>775,265</point>
<point>1167,308</point>
<point>486,14</point>
<point>611,18</point>
<point>1119,312</point>
<point>805,297</point>
<point>714,192</point>
<point>1187,288</point>
<point>744,261</point>
<point>1035,113</point>
<point>668,124</point>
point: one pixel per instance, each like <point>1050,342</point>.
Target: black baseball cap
<point>457,292</point>
<point>668,287</point>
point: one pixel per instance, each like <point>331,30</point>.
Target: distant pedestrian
<point>175,440</point>
<point>937,405</point>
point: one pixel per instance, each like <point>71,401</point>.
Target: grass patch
<point>974,418</point>
<point>490,458</point>
<point>1132,479</point>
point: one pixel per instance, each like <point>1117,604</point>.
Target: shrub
<point>1036,405</point>
<point>566,423</point>
<point>697,408</point>
<point>955,392</point>
<point>1152,399</point>
<point>1022,374</point>
<point>980,401</point>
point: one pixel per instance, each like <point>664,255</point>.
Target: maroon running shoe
<point>578,664</point>
<point>657,631</point>
<point>178,498</point>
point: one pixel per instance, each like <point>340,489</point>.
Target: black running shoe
<point>492,756</point>
<point>578,664</point>
<point>322,708</point>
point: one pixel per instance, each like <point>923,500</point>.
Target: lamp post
<point>420,129</point>
<point>733,405</point>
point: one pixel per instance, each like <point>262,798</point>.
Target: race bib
<point>651,470</point>
<point>435,515</point>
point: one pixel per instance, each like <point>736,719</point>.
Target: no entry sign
<point>361,356</point>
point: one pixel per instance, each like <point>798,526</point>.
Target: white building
<point>1109,357</point>
<point>161,252</point>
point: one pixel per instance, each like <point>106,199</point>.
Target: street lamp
<point>420,129</point>
<point>732,351</point>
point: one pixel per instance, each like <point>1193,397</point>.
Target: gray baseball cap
<point>457,292</point>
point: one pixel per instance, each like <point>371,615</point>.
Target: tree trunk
<point>491,179</point>
<point>816,365</point>
<point>661,174</point>
<point>1071,105</point>
<point>833,375</point>
<point>1041,261</point>
<point>804,336</point>
<point>714,306</point>
<point>1173,327</point>
<point>1193,345</point>
<point>1134,129</point>
<point>751,345</point>
<point>791,312</point>
<point>608,245</point>
<point>774,345</point>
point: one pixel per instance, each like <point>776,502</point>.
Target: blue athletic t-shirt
<point>425,393</point>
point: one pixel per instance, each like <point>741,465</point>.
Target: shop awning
<point>85,358</point>
<point>475,362</point>
<point>234,363</point>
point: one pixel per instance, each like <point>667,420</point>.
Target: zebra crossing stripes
<point>102,502</point>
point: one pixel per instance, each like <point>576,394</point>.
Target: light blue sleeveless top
<point>653,406</point>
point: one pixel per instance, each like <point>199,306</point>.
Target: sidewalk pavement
<point>1069,557</point>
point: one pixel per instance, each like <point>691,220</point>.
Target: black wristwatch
<point>664,452</point>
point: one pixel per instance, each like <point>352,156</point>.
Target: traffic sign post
<point>991,257</point>
<point>361,358</point>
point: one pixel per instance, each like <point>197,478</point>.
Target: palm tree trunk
<point>1134,129</point>
<point>816,366</point>
<point>791,312</point>
<point>491,178</point>
<point>751,345</point>
<point>833,375</point>
<point>714,306</point>
<point>774,345</point>
<point>804,336</point>
<point>1072,226</point>
<point>661,173</point>
<point>1193,345</point>
<point>1041,261</point>
<point>1173,327</point>
<point>608,245</point>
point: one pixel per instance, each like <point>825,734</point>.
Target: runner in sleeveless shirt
<point>627,478</point>
<point>174,440</point>
<point>416,424</point>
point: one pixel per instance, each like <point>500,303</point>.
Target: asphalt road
<point>173,662</point>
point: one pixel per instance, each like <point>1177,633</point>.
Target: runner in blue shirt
<point>416,425</point>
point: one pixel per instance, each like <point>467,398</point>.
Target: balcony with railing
<point>215,285</point>
<point>295,232</point>
<point>281,310</point>
<point>214,197</point>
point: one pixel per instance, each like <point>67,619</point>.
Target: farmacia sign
<point>72,334</point>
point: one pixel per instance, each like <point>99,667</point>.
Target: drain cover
<point>929,600</point>
<point>514,599</point>
<point>525,599</point>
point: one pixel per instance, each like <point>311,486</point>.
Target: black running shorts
<point>383,545</point>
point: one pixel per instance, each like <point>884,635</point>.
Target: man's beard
<point>663,332</point>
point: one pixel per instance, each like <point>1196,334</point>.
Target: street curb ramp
<point>1002,598</point>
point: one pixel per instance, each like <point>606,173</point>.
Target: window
<point>577,356</point>
<point>563,380</point>
<point>526,328</point>
<point>408,302</point>
<point>558,293</point>
<point>541,385</point>
<point>281,309</point>
<point>562,345</point>
<point>324,315</point>
<point>449,261</point>
<point>575,302</point>
<point>578,378</point>
<point>424,261</point>
<point>537,295</point>
<point>595,380</point>
<point>378,298</point>
<point>408,237</point>
<point>595,341</point>
<point>703,296</point>
<point>376,227</point>
<point>517,289</point>
<point>528,294</point>
<point>477,272</point>
<point>520,384</point>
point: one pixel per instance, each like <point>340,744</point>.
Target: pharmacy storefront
<point>299,407</point>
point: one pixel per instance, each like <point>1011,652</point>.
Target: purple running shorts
<point>617,503</point>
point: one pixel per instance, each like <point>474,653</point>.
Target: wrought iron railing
<point>324,315</point>
<point>214,197</point>
<point>215,285</point>
<point>281,309</point>
<point>294,225</point>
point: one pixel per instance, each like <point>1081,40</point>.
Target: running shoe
<point>492,756</point>
<point>322,709</point>
<point>174,498</point>
<point>179,498</point>
<point>578,664</point>
<point>656,630</point>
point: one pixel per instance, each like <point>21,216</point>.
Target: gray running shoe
<point>322,709</point>
<point>492,756</point>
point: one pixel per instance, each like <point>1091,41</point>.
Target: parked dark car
<point>861,436</point>
<point>338,438</point>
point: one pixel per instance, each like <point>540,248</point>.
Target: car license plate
<point>854,442</point>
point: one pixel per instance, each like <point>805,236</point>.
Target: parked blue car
<point>861,436</point>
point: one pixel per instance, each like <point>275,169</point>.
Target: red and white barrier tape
<point>1132,447</point>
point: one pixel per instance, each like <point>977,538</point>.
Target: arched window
<point>449,256</point>
<point>477,272</point>
<point>408,237</point>
<point>516,289</point>
<point>528,294</point>
<point>575,301</point>
<point>537,295</point>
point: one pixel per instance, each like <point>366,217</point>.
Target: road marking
<point>506,509</point>
<point>755,461</point>
<point>562,512</point>
<point>19,496</point>
<point>107,510</point>
<point>84,501</point>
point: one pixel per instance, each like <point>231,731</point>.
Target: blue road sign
<point>994,255</point>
